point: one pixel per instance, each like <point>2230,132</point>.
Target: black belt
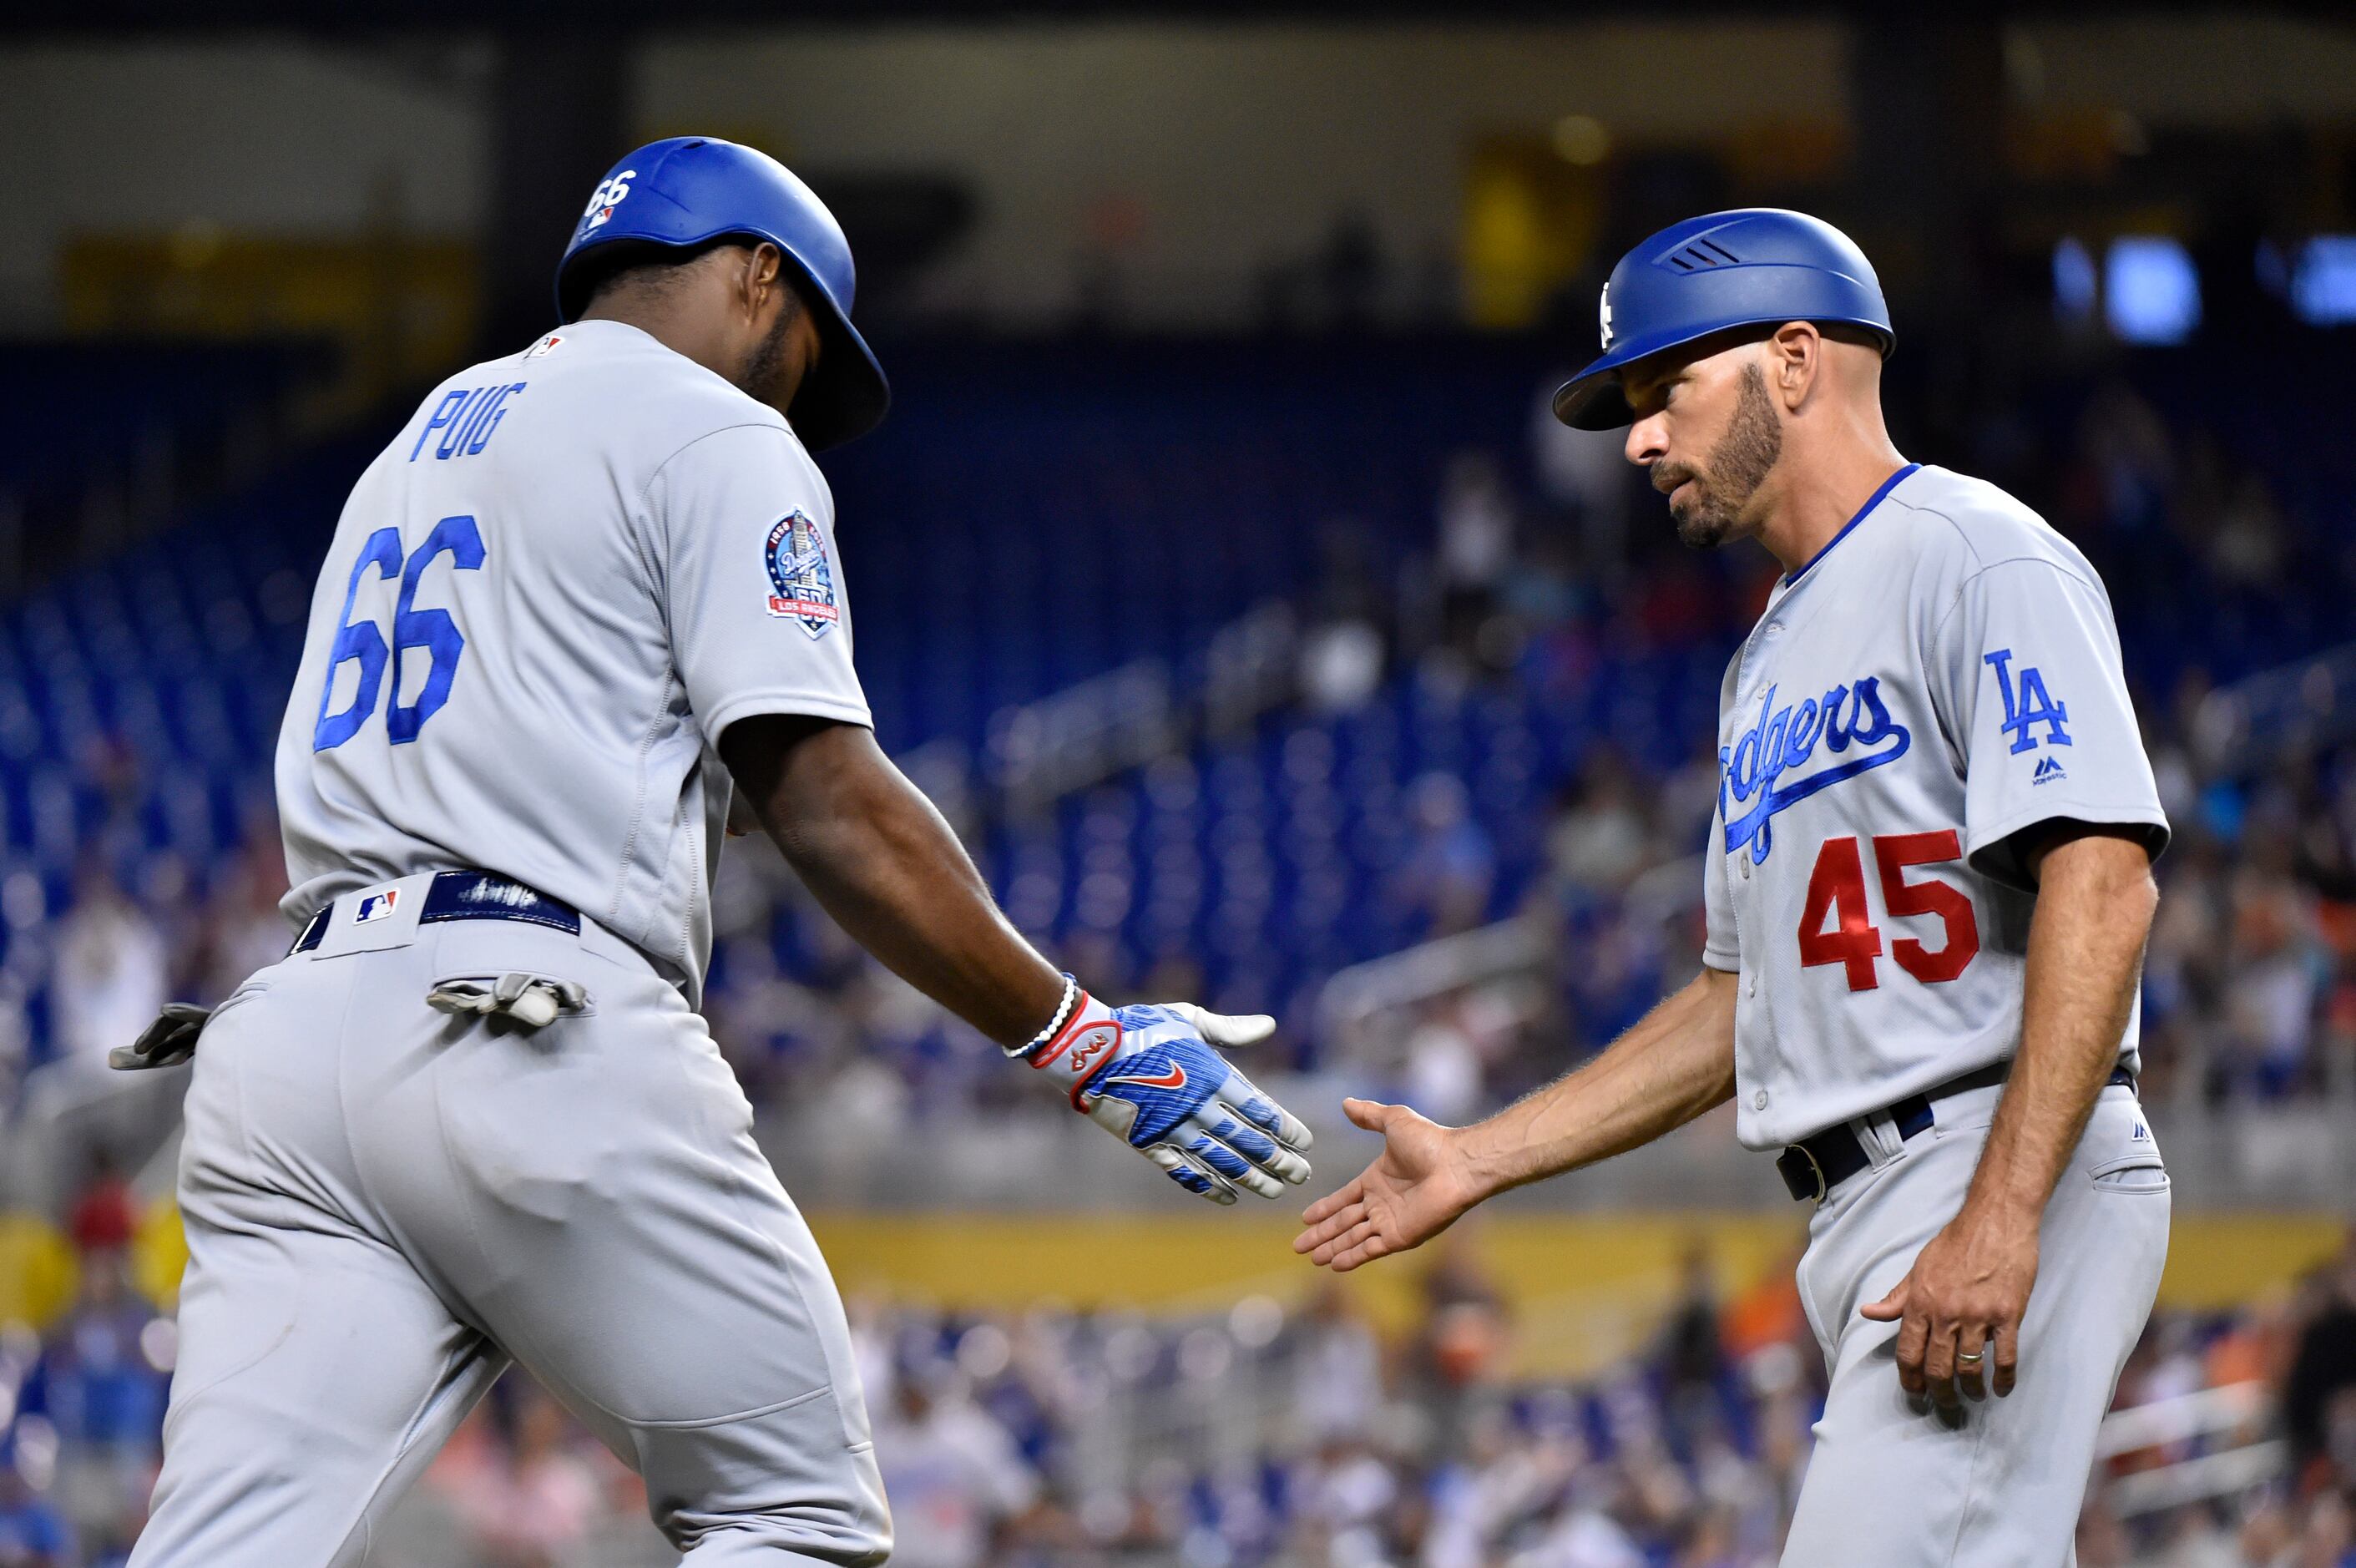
<point>1814,1166</point>
<point>454,895</point>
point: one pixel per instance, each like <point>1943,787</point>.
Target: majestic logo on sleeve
<point>1751,787</point>
<point>801,582</point>
<point>2026,707</point>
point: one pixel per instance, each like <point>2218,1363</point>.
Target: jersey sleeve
<point>750,582</point>
<point>1720,949</point>
<point>2035,696</point>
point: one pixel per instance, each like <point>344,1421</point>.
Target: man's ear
<point>1796,357</point>
<point>755,276</point>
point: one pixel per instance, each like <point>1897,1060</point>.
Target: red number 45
<point>1836,927</point>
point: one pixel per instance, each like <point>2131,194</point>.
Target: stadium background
<point>1219,573</point>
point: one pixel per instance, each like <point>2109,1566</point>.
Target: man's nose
<point>1648,439</point>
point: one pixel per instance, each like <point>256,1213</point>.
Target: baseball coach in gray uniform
<point>587,594</point>
<point>1928,885</point>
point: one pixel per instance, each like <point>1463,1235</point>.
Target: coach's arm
<point>874,851</point>
<point>1676,1063</point>
<point>1970,1283</point>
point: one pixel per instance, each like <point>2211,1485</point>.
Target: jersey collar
<point>1864,512</point>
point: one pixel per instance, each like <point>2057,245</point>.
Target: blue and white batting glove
<point>1149,1076</point>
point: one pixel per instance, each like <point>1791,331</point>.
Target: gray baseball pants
<point>2001,1485</point>
<point>385,1203</point>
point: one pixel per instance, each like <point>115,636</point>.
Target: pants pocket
<point>2139,1172</point>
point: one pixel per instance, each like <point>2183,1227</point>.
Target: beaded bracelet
<point>1063,1011</point>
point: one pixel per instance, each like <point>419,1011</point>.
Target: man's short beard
<point>1737,466</point>
<point>766,368</point>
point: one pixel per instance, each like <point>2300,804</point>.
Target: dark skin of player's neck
<point>1824,391</point>
<point>868,845</point>
<point>722,310</point>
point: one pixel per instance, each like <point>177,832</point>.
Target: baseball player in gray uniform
<point>1928,887</point>
<point>587,592</point>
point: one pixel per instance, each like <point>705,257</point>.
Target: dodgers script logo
<point>801,581</point>
<point>1785,738</point>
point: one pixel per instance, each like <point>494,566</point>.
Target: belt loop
<point>1876,1134</point>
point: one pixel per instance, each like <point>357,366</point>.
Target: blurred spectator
<point>1337,1387</point>
<point>105,1217</point>
<point>954,1475</point>
<point>1692,1351</point>
<point>1343,648</point>
<point>1476,548</point>
<point>33,1534</point>
<point>1445,880</point>
<point>102,1388</point>
<point>1444,1070</point>
<point>532,1504</point>
<point>2270,999</point>
<point>1587,475</point>
<point>1598,839</point>
<point>111,968</point>
<point>2317,1414</point>
<point>243,931</point>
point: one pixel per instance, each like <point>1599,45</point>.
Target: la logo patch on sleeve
<point>801,581</point>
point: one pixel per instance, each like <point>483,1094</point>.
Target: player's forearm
<point>1675,1063</point>
<point>2094,905</point>
<point>874,853</point>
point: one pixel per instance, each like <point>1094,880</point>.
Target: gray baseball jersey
<point>572,570</point>
<point>1942,675</point>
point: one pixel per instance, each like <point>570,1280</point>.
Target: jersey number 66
<point>433,630</point>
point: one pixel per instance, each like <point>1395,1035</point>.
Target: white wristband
<point>1063,1011</point>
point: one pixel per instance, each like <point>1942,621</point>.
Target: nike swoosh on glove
<point>1148,1075</point>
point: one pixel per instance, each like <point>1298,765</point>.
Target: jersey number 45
<point>432,629</point>
<point>1836,925</point>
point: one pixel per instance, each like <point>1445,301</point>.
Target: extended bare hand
<point>1968,1285</point>
<point>1412,1192</point>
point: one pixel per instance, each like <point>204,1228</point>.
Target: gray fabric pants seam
<point>361,1526</point>
<point>753,1415</point>
<point>362,1522</point>
<point>235,1080</point>
<point>736,1200</point>
<point>1972,1489</point>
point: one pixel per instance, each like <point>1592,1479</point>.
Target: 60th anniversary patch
<point>801,581</point>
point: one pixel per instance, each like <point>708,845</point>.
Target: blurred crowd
<point>1540,573</point>
<point>1267,1433</point>
<point>1263,1434</point>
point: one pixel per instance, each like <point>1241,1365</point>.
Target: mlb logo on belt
<point>376,906</point>
<point>801,581</point>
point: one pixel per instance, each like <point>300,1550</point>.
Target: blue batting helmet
<point>693,190</point>
<point>1751,267</point>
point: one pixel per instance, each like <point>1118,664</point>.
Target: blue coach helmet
<point>692,191</point>
<point>1751,267</point>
